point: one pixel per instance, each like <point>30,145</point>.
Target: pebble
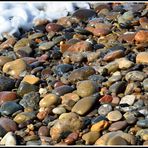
<point>98,118</point>
<point>23,117</point>
<point>84,14</point>
<point>6,96</point>
<point>8,124</point>
<point>43,131</point>
<point>67,122</point>
<point>104,109</point>
<point>145,84</point>
<point>35,35</point>
<point>8,140</point>
<point>128,99</point>
<point>6,83</point>
<point>53,27</point>
<point>114,115</point>
<point>130,117</point>
<point>143,22</point>
<point>91,137</point>
<point>117,140</point>
<point>48,100</point>
<point>142,58</point>
<point>46,46</point>
<point>97,127</point>
<point>25,88</point>
<point>85,88</point>
<point>13,70</point>
<point>31,79</point>
<point>84,104</point>
<point>143,133</point>
<point>59,110</point>
<point>119,125</point>
<point>81,74</point>
<point>4,60</point>
<point>135,76</point>
<point>118,87</point>
<point>143,123</point>
<point>106,99</point>
<point>31,100</point>
<point>141,36</point>
<point>8,108</point>
<point>124,63</point>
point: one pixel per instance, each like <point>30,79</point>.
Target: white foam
<point>22,15</point>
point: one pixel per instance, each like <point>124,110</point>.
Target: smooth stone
<point>6,96</point>
<point>59,110</point>
<point>114,115</point>
<point>8,108</point>
<point>117,140</point>
<point>98,118</point>
<point>145,84</point>
<point>143,22</point>
<point>97,78</point>
<point>142,123</point>
<point>61,90</point>
<point>31,79</point>
<point>25,88</point>
<point>4,60</point>
<point>48,100</point>
<point>31,100</point>
<point>104,140</point>
<point>106,99</point>
<point>46,46</point>
<point>101,125</point>
<point>24,51</point>
<point>85,104</point>
<point>35,36</point>
<point>71,138</point>
<point>24,116</point>
<point>135,76</point>
<point>86,88</point>
<point>21,43</point>
<point>130,88</point>
<point>113,55</point>
<point>84,14</point>
<point>117,126</point>
<point>104,109</point>
<point>130,117</point>
<point>118,87</point>
<point>43,131</point>
<point>116,76</point>
<point>6,83</point>
<point>128,99</point>
<point>67,122</point>
<point>53,27</point>
<point>115,101</point>
<point>80,47</point>
<point>81,74</point>
<point>63,68</point>
<point>112,67</point>
<point>124,63</point>
<point>13,70</point>
<point>142,58</point>
<point>70,96</point>
<point>142,36</point>
<point>90,137</point>
<point>143,133</point>
<point>8,140</point>
<point>8,124</point>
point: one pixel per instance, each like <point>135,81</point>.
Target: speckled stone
<point>128,99</point>
<point>104,109</point>
<point>114,115</point>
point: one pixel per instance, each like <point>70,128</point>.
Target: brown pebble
<point>43,131</point>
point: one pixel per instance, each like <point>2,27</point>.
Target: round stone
<point>48,100</point>
<point>46,46</point>
<point>114,115</point>
<point>53,27</point>
<point>115,77</point>
<point>90,137</point>
<point>43,131</point>
<point>59,110</point>
<point>86,88</point>
<point>104,109</point>
<point>124,63</point>
<point>128,99</point>
<point>119,125</point>
<point>13,70</point>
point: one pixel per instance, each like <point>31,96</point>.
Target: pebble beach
<point>74,75</point>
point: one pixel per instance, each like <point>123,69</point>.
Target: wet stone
<point>104,109</point>
<point>114,115</point>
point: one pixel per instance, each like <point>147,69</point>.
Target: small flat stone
<point>143,123</point>
<point>90,137</point>
<point>130,117</point>
<point>84,105</point>
<point>59,110</point>
<point>104,109</point>
<point>46,46</point>
<point>13,70</point>
<point>31,79</point>
<point>135,76</point>
<point>142,58</point>
<point>35,35</point>
<point>116,76</point>
<point>143,133</point>
<point>86,88</point>
<point>128,99</point>
<point>48,100</point>
<point>119,125</point>
<point>114,115</point>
